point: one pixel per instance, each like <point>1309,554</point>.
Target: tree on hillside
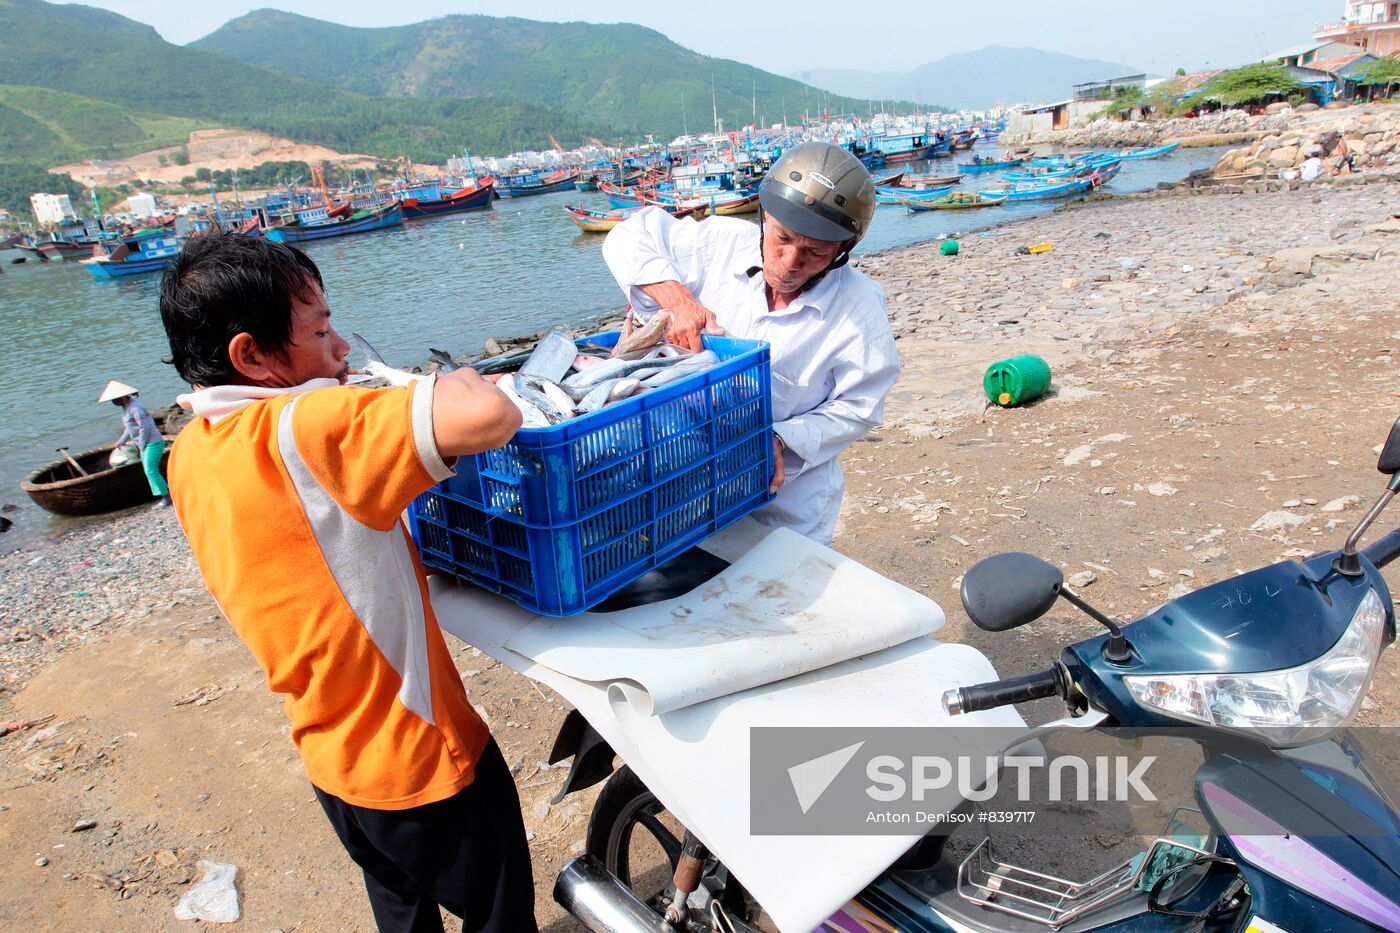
<point>1384,71</point>
<point>1251,83</point>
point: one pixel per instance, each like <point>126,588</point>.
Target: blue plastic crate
<point>562,517</point>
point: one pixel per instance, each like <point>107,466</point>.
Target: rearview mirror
<point>1005,591</point>
<point>1390,453</point>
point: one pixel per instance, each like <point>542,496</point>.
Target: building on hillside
<point>1104,90</point>
<point>52,208</point>
<point>1303,55</point>
<point>1347,71</point>
<point>142,205</point>
<point>1371,26</point>
<point>1061,115</point>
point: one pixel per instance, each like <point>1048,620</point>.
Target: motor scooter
<point>1263,671</point>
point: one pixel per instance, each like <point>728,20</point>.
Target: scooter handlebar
<point>1384,550</point>
<point>1004,692</point>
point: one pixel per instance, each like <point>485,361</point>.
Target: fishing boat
<point>134,255</point>
<point>59,488</point>
<point>931,181</point>
<point>909,147</point>
<point>893,181</point>
<point>1071,170</point>
<point>433,202</point>
<point>900,195</point>
<point>1151,152</point>
<point>1059,159</point>
<point>599,222</point>
<point>316,224</point>
<point>980,165</point>
<point>960,201</point>
<point>1046,192</point>
<point>586,183</point>
<point>528,182</point>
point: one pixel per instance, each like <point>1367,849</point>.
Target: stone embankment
<point>1119,133</point>
<point>1370,137</point>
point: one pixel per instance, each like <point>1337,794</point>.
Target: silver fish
<point>688,366</point>
<point>552,357</point>
<point>615,369</point>
<point>444,360</point>
<point>530,391</point>
<point>554,392</point>
<point>648,335</point>
<point>609,391</point>
<point>533,417</point>
<point>379,369</point>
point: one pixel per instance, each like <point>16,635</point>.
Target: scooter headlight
<point>1279,707</point>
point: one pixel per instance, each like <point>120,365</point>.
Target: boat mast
<point>714,110</point>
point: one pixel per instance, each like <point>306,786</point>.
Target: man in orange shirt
<point>290,487</point>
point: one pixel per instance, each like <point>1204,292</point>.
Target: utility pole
<point>685,127</point>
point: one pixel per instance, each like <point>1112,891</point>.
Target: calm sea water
<point>449,282</point>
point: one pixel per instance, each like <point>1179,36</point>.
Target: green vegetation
<point>53,126</point>
<point>1250,84</point>
<point>623,76</point>
<point>18,180</point>
<point>133,68</point>
<point>1382,71</point>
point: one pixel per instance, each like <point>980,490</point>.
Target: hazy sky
<point>895,35</point>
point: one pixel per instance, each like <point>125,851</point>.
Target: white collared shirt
<point>833,358</point>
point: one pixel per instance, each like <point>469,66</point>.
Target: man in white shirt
<point>786,281</point>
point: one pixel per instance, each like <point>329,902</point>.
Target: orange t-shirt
<point>291,505</point>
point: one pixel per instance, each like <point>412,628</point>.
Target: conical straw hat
<point>115,390</point>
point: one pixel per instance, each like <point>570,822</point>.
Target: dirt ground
<point>215,150</point>
<point>1146,468</point>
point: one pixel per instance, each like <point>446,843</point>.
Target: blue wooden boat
<point>1151,152</point>
<point>900,195</point>
<point>910,147</point>
<point>316,224</point>
<point>525,183</point>
<point>431,201</point>
<point>1070,170</point>
<point>1034,192</point>
<point>963,200</point>
<point>587,183</point>
<point>979,166</point>
<point>135,255</point>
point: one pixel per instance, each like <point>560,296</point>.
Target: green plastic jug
<point>1017,380</point>
<point>948,248</point>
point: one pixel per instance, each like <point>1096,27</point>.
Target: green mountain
<point>53,126</point>
<point>623,76</point>
<point>106,57</point>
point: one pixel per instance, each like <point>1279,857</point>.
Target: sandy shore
<point>1223,368</point>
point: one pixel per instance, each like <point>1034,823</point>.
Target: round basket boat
<point>57,488</point>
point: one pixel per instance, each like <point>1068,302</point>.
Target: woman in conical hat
<point>139,427</point>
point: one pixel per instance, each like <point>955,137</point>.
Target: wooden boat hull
<point>62,250</point>
<point>939,204</point>
<point>745,205</point>
<point>391,216</point>
<point>1066,189</point>
<point>549,187</point>
<point>918,182</point>
<point>594,222</point>
<point>900,195</point>
<point>979,168</point>
<point>54,487</point>
<point>919,154</point>
<point>893,181</point>
<point>478,199</point>
<point>1150,152</point>
<point>104,268</point>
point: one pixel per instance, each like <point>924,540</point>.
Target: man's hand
<point>689,318</point>
<point>779,468</point>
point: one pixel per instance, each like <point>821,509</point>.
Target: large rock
<point>1279,107</point>
<point>1283,157</point>
<point>1311,150</point>
<point>1356,146</point>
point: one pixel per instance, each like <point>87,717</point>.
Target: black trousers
<point>467,853</point>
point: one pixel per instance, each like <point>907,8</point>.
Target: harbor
<point>449,282</point>
<point>1189,407</point>
<point>1028,407</point>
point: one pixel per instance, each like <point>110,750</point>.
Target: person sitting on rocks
<point>1343,156</point>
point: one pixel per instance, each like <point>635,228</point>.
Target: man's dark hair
<point>224,284</point>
